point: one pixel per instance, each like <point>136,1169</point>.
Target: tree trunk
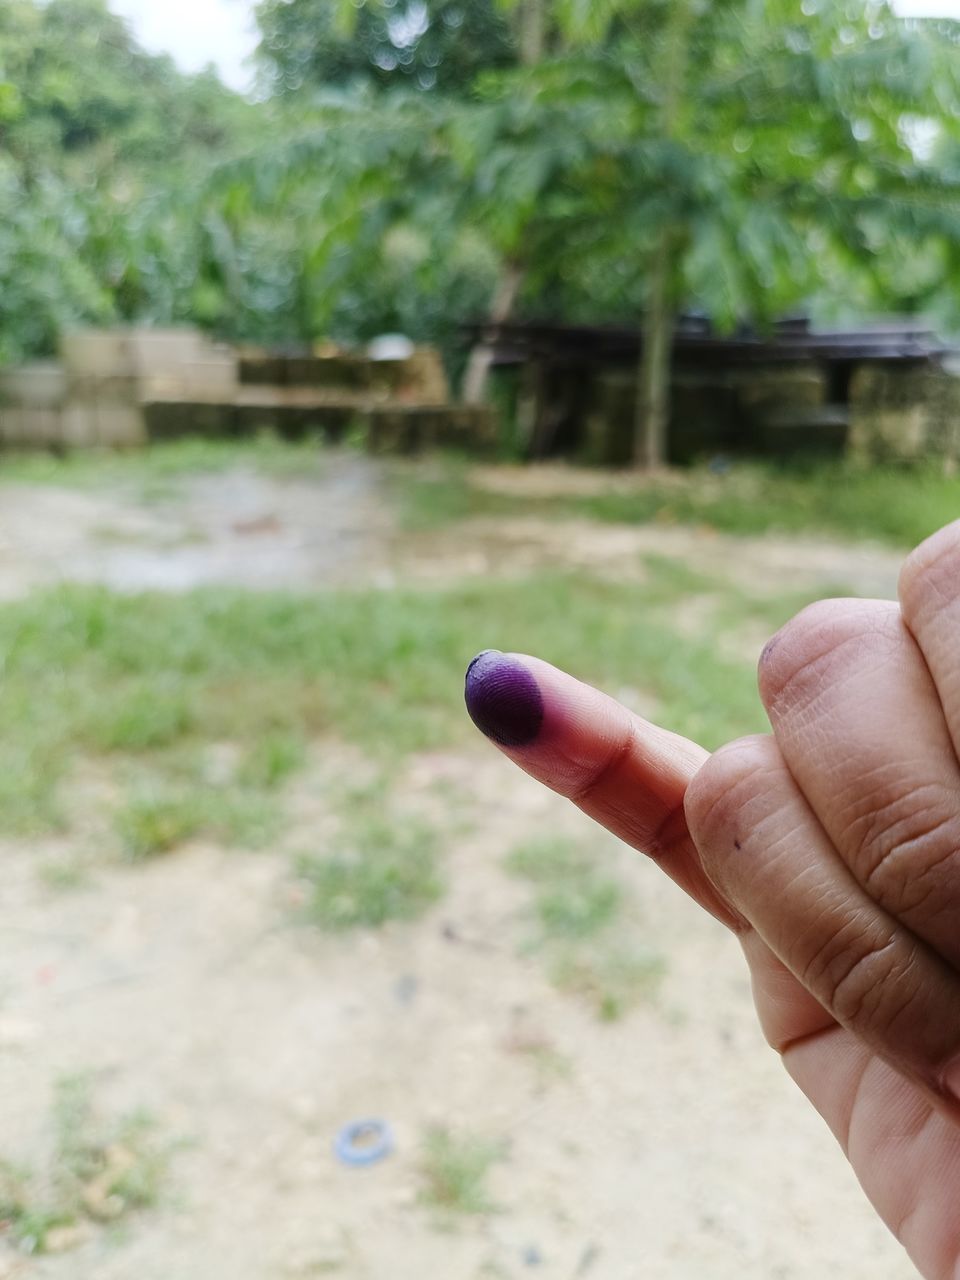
<point>481,357</point>
<point>653,382</point>
<point>531,39</point>
<point>653,386</point>
<point>532,31</point>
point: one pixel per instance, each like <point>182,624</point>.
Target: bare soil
<point>667,1146</point>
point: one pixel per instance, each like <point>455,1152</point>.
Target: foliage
<point>355,202</point>
<point>79,93</point>
<point>426,44</point>
<point>790,161</point>
<point>99,142</point>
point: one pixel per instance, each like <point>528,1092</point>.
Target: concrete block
<point>158,351</point>
<point>424,377</point>
<point>79,425</point>
<point>31,427</point>
<point>41,385</point>
<point>904,413</point>
<point>765,393</point>
<point>95,352</point>
<point>171,419</point>
<point>130,352</point>
<point>608,427</point>
<point>120,425</point>
<point>258,369</point>
<point>12,427</point>
<point>214,378</point>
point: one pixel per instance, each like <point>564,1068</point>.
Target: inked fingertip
<point>503,699</point>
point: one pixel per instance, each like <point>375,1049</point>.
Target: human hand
<point>831,848</point>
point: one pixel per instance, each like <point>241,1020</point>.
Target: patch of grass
<point>31,770</point>
<point>271,759</point>
<point>546,859</point>
<point>146,713</point>
<point>901,506</point>
<point>428,498</point>
<point>574,900</point>
<point>101,1171</point>
<point>578,909</point>
<point>154,820</point>
<point>158,816</point>
<point>150,678</point>
<point>612,979</point>
<point>65,874</point>
<point>454,1170</point>
<point>385,869</point>
<point>154,468</point>
<point>898,505</point>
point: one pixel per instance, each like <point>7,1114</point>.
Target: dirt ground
<point>667,1146</point>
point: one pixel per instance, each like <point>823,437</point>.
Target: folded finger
<point>859,722</point>
<point>930,600</point>
<point>770,858</point>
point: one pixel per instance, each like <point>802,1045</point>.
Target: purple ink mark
<point>503,699</point>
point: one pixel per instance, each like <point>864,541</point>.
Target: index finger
<point>624,772</point>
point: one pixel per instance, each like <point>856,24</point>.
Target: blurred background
<point>338,341</point>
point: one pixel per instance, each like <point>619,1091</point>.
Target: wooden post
<point>653,380</point>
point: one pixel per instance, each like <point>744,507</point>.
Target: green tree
<point>420,44</point>
<point>104,149</point>
<point>732,157</point>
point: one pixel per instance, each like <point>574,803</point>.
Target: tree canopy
<point>414,163</point>
<point>417,44</point>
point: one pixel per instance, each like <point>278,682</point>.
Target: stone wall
<point>757,410</point>
<point>907,414</point>
<point>96,394</point>
<point>128,386</point>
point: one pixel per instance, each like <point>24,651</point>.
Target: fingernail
<point>503,699</point>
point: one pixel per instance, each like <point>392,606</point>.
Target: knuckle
<point>727,781</point>
<point>931,574</point>
<point>850,973</point>
<point>905,845</point>
<point>805,655</point>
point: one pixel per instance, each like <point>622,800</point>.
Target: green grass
<point>611,978</point>
<point>581,932</point>
<point>271,759</point>
<point>547,859</point>
<point>384,869</point>
<point>574,900</point>
<point>454,1169</point>
<point>900,506</point>
<point>155,469</point>
<point>151,678</point>
<point>101,1170</point>
<point>157,816</point>
<point>581,910</point>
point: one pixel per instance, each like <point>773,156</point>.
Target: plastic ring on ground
<point>363,1142</point>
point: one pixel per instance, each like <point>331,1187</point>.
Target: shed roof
<point>695,342</point>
